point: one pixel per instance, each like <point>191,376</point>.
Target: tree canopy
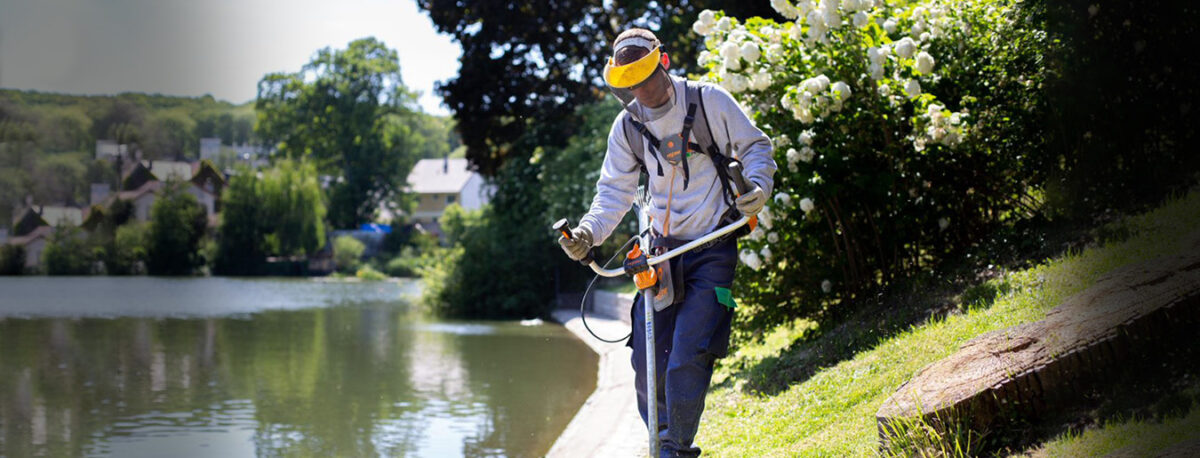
<point>349,111</point>
<point>536,61</point>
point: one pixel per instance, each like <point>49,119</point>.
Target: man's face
<point>655,90</point>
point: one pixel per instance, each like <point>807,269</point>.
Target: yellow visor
<point>629,75</point>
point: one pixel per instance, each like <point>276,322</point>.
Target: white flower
<point>943,223</point>
<point>786,102</point>
<point>905,47</point>
<point>765,218</point>
<point>876,71</point>
<point>782,141</point>
<point>806,137</point>
<point>876,55</point>
<point>772,238</point>
<point>774,53</point>
<point>701,28</point>
<point>832,18</point>
<point>889,25</point>
<point>785,9</point>
<point>815,19</point>
<point>826,286</point>
<point>860,19</point>
<point>912,88</point>
<point>885,90</point>
<point>705,57</point>
<point>707,17</point>
<point>917,28</point>
<point>955,118</point>
<point>807,154</point>
<point>793,157</point>
<point>761,81</point>
<point>803,115</point>
<point>783,198</point>
<point>735,83</point>
<point>924,63</point>
<point>730,49</point>
<point>750,52</point>
<point>1093,10</point>
<point>766,252</point>
<point>750,259</point>
<point>732,63</point>
<point>806,205</point>
<point>725,24</point>
<point>842,90</point>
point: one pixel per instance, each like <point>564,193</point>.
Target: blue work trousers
<point>689,337</point>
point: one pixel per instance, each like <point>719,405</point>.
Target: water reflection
<point>366,377</point>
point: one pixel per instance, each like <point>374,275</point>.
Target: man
<point>688,200</point>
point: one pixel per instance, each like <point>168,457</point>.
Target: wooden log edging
<point>1131,314</point>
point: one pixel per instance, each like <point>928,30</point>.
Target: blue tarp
<point>371,227</point>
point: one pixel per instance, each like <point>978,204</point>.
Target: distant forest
<point>48,140</point>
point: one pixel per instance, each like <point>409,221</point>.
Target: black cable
<point>583,302</point>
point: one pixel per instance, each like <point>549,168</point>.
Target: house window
<point>449,199</point>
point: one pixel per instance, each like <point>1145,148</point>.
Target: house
<point>34,243</point>
<point>34,216</point>
<point>437,183</point>
<point>108,149</point>
<point>144,179</point>
<point>33,226</point>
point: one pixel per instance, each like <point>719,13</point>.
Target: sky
<point>217,47</point>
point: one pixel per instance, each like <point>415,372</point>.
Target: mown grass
<point>829,409</point>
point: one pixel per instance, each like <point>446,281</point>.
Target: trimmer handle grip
<point>563,227</point>
<point>739,180</point>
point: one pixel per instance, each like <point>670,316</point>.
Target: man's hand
<point>578,245</point>
<point>750,203</point>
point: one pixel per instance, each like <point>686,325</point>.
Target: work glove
<point>578,245</point>
<point>750,203</point>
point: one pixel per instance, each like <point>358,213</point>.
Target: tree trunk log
<point>1131,316</point>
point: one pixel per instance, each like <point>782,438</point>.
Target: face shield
<point>623,79</point>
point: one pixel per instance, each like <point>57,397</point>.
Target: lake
<point>143,366</point>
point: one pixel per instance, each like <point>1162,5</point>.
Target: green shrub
<point>903,133</point>
<point>128,253</point>
<point>347,251</point>
<point>67,253</point>
<point>368,273</point>
<point>408,263</point>
<point>12,259</point>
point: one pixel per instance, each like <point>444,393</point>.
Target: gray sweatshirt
<point>697,210</point>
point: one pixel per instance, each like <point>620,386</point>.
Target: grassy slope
<point>832,411</point>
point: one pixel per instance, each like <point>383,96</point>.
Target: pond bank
<point>608,423</point>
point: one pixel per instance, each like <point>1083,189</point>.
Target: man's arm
<point>616,188</point>
<point>730,126</point>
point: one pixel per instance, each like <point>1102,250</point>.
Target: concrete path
<point>608,424</point>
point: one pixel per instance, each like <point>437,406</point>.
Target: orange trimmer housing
<point>647,278</point>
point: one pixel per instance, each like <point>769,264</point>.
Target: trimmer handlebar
<point>563,227</point>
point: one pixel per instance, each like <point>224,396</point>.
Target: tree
<point>281,213</point>
<point>169,135</point>
<point>127,250</point>
<point>67,253</point>
<point>240,245</point>
<point>177,223</point>
<point>536,61</point>
<point>293,204</point>
<point>349,111</point>
<point>60,178</point>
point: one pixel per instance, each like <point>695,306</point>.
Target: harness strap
<point>650,138</point>
<point>687,131</point>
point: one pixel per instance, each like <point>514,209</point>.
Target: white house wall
<point>475,194</point>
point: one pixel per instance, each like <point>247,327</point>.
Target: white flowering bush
<point>903,131</point>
